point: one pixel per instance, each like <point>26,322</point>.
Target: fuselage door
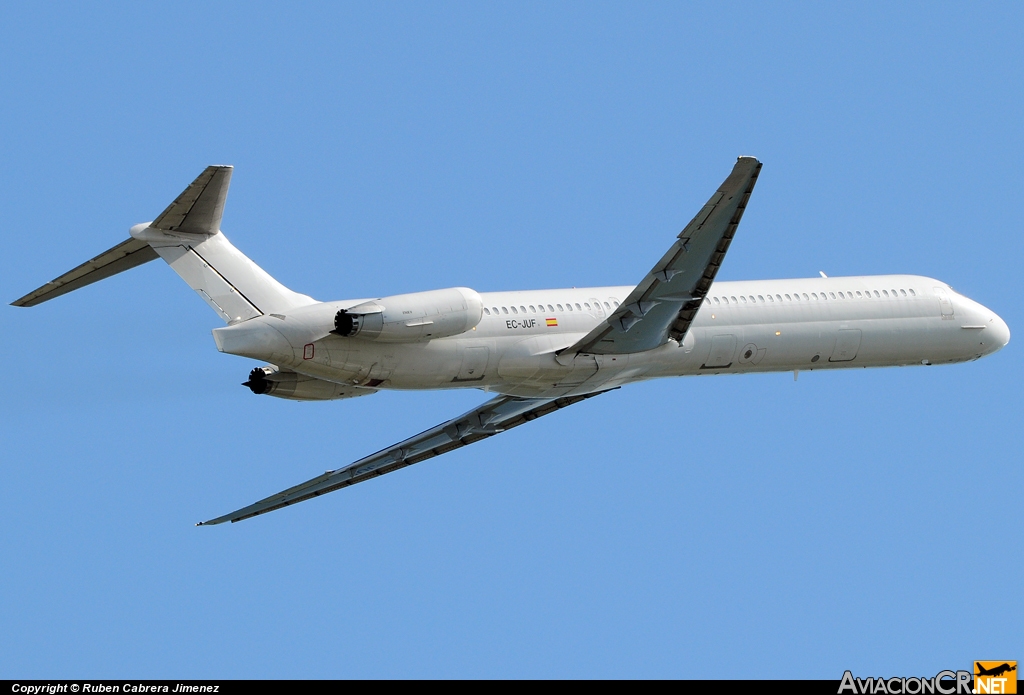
<point>847,345</point>
<point>474,364</point>
<point>723,347</point>
<point>945,305</point>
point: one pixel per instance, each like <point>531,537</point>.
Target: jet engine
<point>271,381</point>
<point>409,318</point>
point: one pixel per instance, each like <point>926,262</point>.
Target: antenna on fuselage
<point>822,274</point>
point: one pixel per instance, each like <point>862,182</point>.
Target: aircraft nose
<point>1000,332</point>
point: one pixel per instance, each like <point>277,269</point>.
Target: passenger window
<point>814,296</point>
<point>533,309</point>
<point>842,296</point>
<point>894,293</point>
<point>504,310</point>
<point>885,292</point>
<point>770,298</point>
<point>569,307</point>
<point>559,307</point>
<point>587,305</point>
<point>778,297</point>
<point>876,294</point>
<point>734,300</point>
<point>487,311</point>
<point>607,307</point>
<point>578,307</point>
<point>913,293</point>
<point>514,310</point>
<point>743,298</point>
<point>859,294</point>
<point>760,298</point>
<point>832,294</point>
<point>788,298</point>
<point>615,303</point>
<point>715,300</point>
<point>903,292</point>
<point>752,300</point>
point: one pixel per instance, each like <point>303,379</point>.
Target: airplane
<point>994,671</point>
<point>538,350</point>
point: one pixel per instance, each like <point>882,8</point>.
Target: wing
<point>493,417</point>
<point>665,302</point>
<point>124,256</point>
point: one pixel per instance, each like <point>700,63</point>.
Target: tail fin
<point>187,235</point>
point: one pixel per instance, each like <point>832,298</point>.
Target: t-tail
<point>187,235</point>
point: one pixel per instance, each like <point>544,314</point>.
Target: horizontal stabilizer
<point>200,207</point>
<point>122,257</point>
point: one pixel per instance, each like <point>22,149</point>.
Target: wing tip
<point>211,522</point>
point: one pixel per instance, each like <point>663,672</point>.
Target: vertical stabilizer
<point>187,235</point>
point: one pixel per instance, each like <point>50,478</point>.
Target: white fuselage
<point>749,326</point>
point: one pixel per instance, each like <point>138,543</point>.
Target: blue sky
<point>853,520</point>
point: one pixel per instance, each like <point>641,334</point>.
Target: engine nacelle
<point>409,318</point>
<point>270,381</point>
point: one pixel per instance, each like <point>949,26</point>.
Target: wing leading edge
<point>493,417</point>
<point>665,302</point>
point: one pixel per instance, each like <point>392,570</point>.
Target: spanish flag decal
<point>552,322</point>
